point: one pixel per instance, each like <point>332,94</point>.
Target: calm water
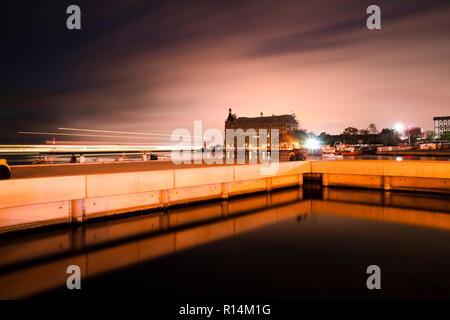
<point>292,244</point>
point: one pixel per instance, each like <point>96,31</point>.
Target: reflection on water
<point>294,243</point>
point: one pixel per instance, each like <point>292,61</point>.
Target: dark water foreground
<point>291,244</point>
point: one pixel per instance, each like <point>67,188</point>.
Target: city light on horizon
<point>312,144</point>
<point>399,127</point>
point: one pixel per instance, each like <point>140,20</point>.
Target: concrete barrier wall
<point>43,201</point>
<point>23,217</point>
<point>356,167</point>
<point>100,206</point>
<point>99,185</point>
<point>425,176</point>
<point>418,169</point>
<point>204,176</point>
<point>21,192</point>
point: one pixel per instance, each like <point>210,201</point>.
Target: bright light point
<point>399,158</point>
<point>312,144</point>
<point>399,127</point>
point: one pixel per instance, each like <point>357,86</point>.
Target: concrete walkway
<point>45,170</point>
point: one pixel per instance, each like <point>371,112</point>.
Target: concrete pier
<point>31,202</point>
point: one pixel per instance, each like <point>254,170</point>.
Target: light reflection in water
<point>34,263</point>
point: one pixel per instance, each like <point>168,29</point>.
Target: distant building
<point>441,124</point>
<point>286,124</point>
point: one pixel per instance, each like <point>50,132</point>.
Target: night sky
<point>154,66</point>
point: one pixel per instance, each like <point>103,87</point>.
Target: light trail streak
<point>81,135</point>
<point>83,149</point>
<point>100,142</point>
<point>125,132</point>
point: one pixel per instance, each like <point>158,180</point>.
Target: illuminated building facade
<point>286,124</point>
<point>441,124</point>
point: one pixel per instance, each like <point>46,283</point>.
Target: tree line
<point>369,135</point>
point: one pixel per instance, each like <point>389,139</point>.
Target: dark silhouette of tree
<point>387,131</point>
<point>350,131</point>
<point>372,128</point>
<point>445,135</point>
<point>413,134</point>
<point>387,137</point>
<point>325,138</point>
<point>429,135</point>
<point>349,135</point>
<point>364,131</point>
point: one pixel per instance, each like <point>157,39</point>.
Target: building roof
<point>270,119</point>
<point>441,118</point>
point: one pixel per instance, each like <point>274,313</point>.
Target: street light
<point>312,144</point>
<point>399,127</point>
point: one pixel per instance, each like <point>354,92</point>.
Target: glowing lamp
<point>312,144</point>
<point>399,127</point>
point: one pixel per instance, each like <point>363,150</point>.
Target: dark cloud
<point>347,29</point>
